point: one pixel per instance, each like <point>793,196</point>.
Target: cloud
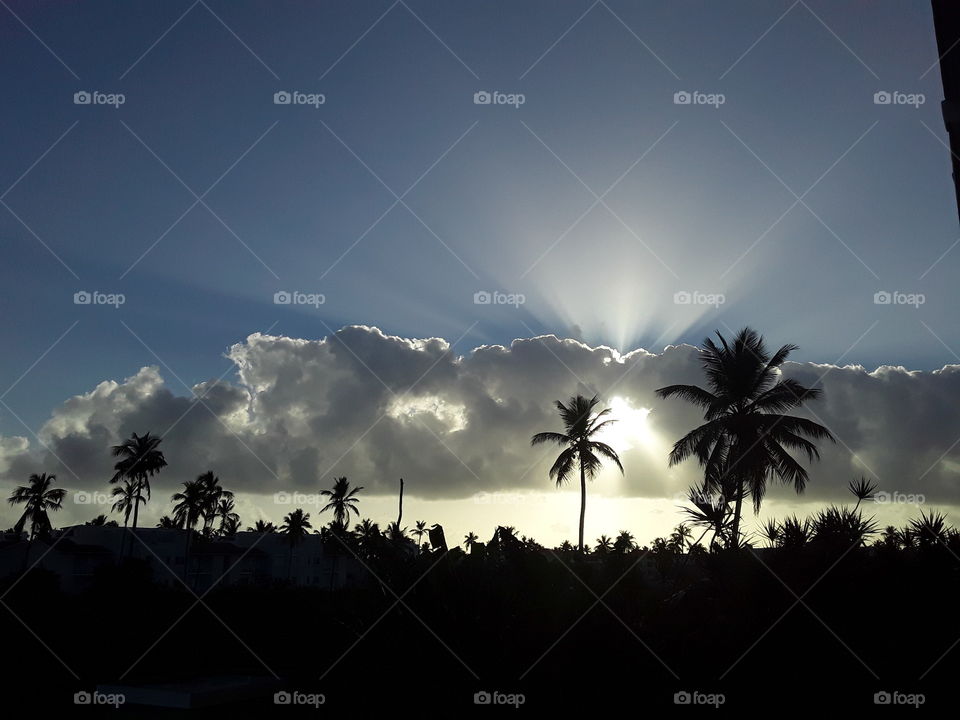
<point>376,407</point>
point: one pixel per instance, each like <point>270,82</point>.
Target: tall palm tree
<point>228,517</point>
<point>342,501</point>
<point>746,436</point>
<point>469,540</point>
<point>296,526</point>
<point>580,424</point>
<point>139,461</point>
<point>189,506</point>
<point>38,498</point>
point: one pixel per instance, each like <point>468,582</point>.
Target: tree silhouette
<point>262,526</point>
<point>745,435</point>
<point>139,461</point>
<point>580,424</point>
<point>167,523</point>
<point>342,501</point>
<point>213,494</point>
<point>228,518</point>
<point>296,526</point>
<point>101,521</point>
<point>469,540</point>
<point>624,542</point>
<point>38,499</point>
<point>128,496</point>
<point>420,530</point>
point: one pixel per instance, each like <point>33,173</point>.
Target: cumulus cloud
<point>375,407</point>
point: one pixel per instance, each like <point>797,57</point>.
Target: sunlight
<point>632,429</point>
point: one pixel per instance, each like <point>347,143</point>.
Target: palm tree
<point>469,540</point>
<point>139,461</point>
<point>38,498</point>
<point>190,504</point>
<point>101,521</point>
<point>679,538</point>
<point>225,511</point>
<point>420,530</point>
<point>342,501</point>
<point>745,435</point>
<point>296,526</point>
<point>580,424</point>
<point>624,542</point>
<point>128,496</point>
<point>604,545</point>
<point>167,523</point>
<point>213,494</point>
<point>231,526</point>
<point>862,489</point>
<point>262,526</point>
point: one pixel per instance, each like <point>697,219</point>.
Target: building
<point>175,557</point>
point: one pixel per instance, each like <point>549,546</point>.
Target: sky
<point>643,175</point>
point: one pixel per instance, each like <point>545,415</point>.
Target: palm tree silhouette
<point>167,523</point>
<point>101,521</point>
<point>624,542</point>
<point>213,493</point>
<point>262,526</point>
<point>420,530</point>
<point>296,526</point>
<point>469,540</point>
<point>38,498</point>
<point>127,497</point>
<point>745,434</point>
<point>189,506</point>
<point>342,501</point>
<point>580,424</point>
<point>604,545</point>
<point>228,518</point>
<point>139,461</point>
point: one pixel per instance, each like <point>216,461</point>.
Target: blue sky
<point>498,193</point>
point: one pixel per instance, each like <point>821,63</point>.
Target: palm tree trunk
<point>136,504</point>
<point>583,501</point>
<point>735,533</point>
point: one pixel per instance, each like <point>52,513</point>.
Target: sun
<point>632,426</point>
